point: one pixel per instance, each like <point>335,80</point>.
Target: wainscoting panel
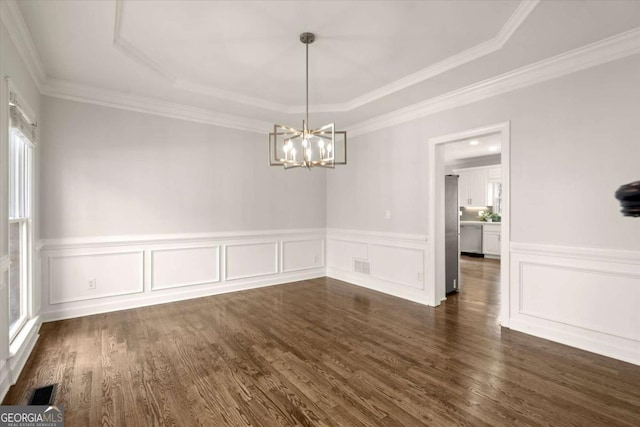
<point>117,273</point>
<point>134,271</point>
<point>586,298</point>
<point>386,262</point>
<point>171,268</point>
<point>251,260</point>
<point>302,255</point>
<point>396,264</point>
<point>341,253</point>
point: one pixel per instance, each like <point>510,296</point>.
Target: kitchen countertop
<point>479,223</point>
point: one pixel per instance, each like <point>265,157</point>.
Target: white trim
<point>154,239</point>
<point>570,337</point>
<point>340,264</point>
<point>239,98</point>
<point>5,378</point>
<point>146,293</point>
<point>435,269</point>
<point>420,251</point>
<point>109,98</point>
<point>571,322</point>
<point>485,48</point>
<point>21,38</point>
<point>589,254</point>
<point>131,51</point>
<point>380,285</point>
<point>22,346</point>
<point>471,54</point>
<point>600,52</point>
<point>478,51</point>
<point>345,234</point>
<point>180,294</point>
<point>323,244</point>
<point>276,255</point>
<point>52,301</point>
<point>152,252</point>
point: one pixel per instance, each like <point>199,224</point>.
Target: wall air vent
<point>361,266</point>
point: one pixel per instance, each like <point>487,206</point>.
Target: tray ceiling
<point>244,58</point>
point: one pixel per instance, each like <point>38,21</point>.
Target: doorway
<point>436,226</point>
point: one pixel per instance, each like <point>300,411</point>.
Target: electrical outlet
<point>419,277</point>
<point>315,258</point>
<point>387,214</point>
<point>92,284</point>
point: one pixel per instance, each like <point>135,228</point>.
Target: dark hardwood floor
<point>322,352</point>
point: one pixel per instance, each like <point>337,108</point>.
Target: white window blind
<point>19,119</point>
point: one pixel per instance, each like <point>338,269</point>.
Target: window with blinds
<point>22,136</point>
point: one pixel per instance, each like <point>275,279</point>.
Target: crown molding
<point>517,18</point>
<point>485,48</point>
<point>134,53</point>
<point>199,89</point>
<point>18,32</point>
<point>600,52</point>
<point>610,49</point>
<point>108,98</point>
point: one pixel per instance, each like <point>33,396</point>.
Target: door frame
<point>436,274</point>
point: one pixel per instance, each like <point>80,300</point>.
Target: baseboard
<point>627,351</point>
<point>582,297</point>
<point>5,379</point>
<point>88,276</point>
<point>145,300</point>
<point>390,288</point>
<point>386,262</point>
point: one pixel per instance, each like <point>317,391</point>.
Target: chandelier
<point>294,148</point>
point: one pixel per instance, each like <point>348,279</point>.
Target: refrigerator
<point>451,233</point>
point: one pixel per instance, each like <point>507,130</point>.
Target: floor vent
<point>43,395</point>
<point>361,266</point>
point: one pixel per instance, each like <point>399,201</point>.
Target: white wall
<point>154,210</point>
<point>574,141</point>
<point>108,171</point>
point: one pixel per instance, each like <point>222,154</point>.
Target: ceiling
<point>482,146</point>
<point>245,58</point>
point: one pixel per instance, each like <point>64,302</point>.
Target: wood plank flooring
<point>325,353</point>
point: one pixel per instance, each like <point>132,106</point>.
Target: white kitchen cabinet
<point>491,239</point>
<point>472,186</point>
<point>495,173</point>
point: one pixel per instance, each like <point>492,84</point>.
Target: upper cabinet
<point>476,186</point>
<point>472,187</point>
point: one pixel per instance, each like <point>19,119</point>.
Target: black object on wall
<point>629,196</point>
